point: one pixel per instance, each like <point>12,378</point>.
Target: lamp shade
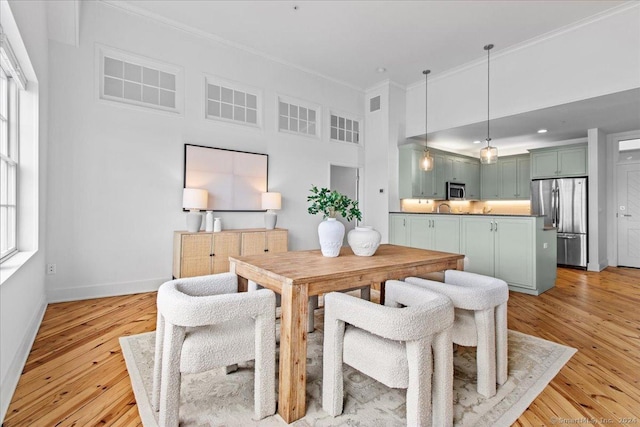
<point>195,198</point>
<point>271,200</point>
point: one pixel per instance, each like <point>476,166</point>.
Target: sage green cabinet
<point>489,189</point>
<point>514,180</point>
<point>570,160</point>
<point>471,179</point>
<point>500,247</point>
<point>444,233</point>
<point>508,179</point>
<point>425,231</point>
<point>398,230</point>
<point>516,250</point>
<point>435,180</point>
<point>414,183</point>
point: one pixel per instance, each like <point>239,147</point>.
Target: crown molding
<point>633,4</point>
<point>137,11</point>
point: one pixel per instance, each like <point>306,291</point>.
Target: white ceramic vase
<point>208,221</point>
<point>217,225</point>
<point>364,240</point>
<point>330,233</point>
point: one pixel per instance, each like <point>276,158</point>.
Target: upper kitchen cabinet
<point>464,170</point>
<point>514,177</point>
<point>569,160</point>
<point>508,179</point>
<point>414,183</point>
<point>489,182</point>
<point>411,180</point>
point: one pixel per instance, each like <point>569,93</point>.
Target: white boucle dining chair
<point>404,344</point>
<point>481,321</point>
<point>204,323</point>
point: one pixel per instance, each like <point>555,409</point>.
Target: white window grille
<point>297,117</point>
<point>344,129</point>
<point>11,82</point>
<point>232,102</point>
<point>134,80</point>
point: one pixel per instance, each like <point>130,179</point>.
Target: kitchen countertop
<point>465,213</point>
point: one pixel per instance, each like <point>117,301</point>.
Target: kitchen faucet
<point>443,204</point>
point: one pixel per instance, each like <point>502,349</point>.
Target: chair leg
<point>157,364</point>
<point>442,392</point>
<point>420,363</point>
<point>313,304</point>
<point>365,293</point>
<point>501,344</point>
<point>332,375</point>
<point>170,385</point>
<point>486,352</point>
<point>265,367</point>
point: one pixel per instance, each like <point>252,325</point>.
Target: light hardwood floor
<point>75,374</point>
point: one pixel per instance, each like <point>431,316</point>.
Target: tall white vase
<point>330,233</point>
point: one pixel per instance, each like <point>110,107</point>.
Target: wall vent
<point>374,104</point>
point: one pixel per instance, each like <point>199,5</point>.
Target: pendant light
<point>489,154</point>
<point>426,162</point>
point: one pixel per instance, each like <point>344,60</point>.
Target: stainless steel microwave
<point>455,191</point>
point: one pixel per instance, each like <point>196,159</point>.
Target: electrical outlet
<point>51,269</point>
<point>545,245</point>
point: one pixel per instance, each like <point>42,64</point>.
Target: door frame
<point>612,193</point>
<point>360,188</point>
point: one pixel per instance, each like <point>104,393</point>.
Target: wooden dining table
<point>297,275</point>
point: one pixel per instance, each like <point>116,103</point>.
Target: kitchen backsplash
<point>514,207</point>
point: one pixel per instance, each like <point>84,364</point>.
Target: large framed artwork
<point>235,180</point>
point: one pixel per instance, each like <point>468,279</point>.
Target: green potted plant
<point>329,204</point>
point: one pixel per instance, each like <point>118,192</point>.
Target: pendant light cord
<point>426,108</point>
<point>488,49</point>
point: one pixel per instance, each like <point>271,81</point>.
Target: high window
<point>297,117</point>
<point>139,81</point>
<point>344,129</point>
<point>232,102</point>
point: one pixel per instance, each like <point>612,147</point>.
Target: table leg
<point>382,285</point>
<point>293,352</point>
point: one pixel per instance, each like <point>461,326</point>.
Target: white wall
<point>552,70</point>
<point>115,173</point>
<point>22,295</point>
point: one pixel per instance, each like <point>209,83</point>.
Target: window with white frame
<point>231,102</point>
<point>344,129</point>
<point>296,117</point>
<point>11,81</point>
<point>139,81</point>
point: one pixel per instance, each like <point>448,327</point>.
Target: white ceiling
<point>347,41</point>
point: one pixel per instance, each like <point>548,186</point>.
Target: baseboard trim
<point>104,290</point>
<point>9,383</point>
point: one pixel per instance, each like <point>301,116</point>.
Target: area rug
<point>215,399</point>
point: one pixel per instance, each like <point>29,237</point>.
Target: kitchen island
<point>515,248</point>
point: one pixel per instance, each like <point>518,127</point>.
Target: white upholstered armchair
<point>481,321</point>
<point>204,323</point>
<point>402,347</point>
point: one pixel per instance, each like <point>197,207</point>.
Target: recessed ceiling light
<point>476,142</point>
<point>542,131</point>
<point>381,69</point>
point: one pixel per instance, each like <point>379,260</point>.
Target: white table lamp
<point>271,201</point>
<point>194,199</point>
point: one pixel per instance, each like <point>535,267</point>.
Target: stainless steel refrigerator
<point>563,202</point>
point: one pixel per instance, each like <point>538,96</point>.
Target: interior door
<point>344,180</point>
<point>628,181</point>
